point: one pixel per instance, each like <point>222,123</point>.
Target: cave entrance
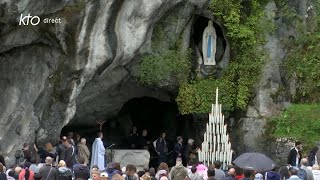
<point>144,113</point>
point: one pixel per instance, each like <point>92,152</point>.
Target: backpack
<point>302,174</point>
<point>19,154</point>
<point>179,173</point>
<point>65,175</point>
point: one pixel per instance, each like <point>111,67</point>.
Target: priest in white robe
<point>98,153</point>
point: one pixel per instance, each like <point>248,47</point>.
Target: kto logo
<point>25,20</point>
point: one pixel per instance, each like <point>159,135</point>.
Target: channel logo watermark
<point>35,20</point>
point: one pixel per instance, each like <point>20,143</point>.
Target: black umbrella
<point>254,161</point>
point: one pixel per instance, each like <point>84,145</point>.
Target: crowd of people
<point>72,160</point>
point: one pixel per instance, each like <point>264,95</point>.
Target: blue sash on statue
<point>209,47</point>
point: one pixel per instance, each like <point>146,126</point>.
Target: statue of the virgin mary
<point>209,42</point>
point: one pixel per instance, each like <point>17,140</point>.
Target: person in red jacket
<point>26,174</point>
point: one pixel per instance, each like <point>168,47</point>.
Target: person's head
<point>95,175</point>
<point>211,172</point>
<point>18,169</point>
<point>140,173</point>
<point>145,177</point>
<point>298,145</point>
<point>25,146</point>
<point>131,170</point>
<point>164,178</point>
<point>134,129</point>
<point>1,168</point>
<point>81,160</point>
<point>315,167</point>
<point>217,164</point>
<point>117,177</point>
<point>146,169</point>
<point>315,150</point>
<point>104,176</point>
<point>62,163</point>
<point>144,132</point>
<point>77,136</point>
<point>179,139</point>
<point>95,167</point>
<point>247,173</point>
<point>117,166</point>
<point>304,162</point>
<point>83,141</point>
<point>178,161</point>
<point>232,171</point>
<point>162,135</point>
<point>293,171</point>
<point>26,166</point>
<point>193,169</point>
<point>11,173</point>
<point>70,135</point>
<point>48,160</point>
<point>190,141</point>
<point>100,135</point>
<point>163,166</point>
<point>152,172</point>
<point>49,147</point>
<point>284,172</point>
<point>33,160</point>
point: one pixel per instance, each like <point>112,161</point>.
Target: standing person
<point>293,174</point>
<point>98,152</point>
<point>144,140</point>
<point>312,157</point>
<point>211,174</point>
<point>178,172</point>
<point>161,147</point>
<point>294,156</point>
<point>26,152</point>
<point>34,167</point>
<point>194,175</point>
<point>231,175</point>
<point>178,149</point>
<point>26,173</point>
<point>304,164</point>
<point>284,173</point>
<point>70,138</point>
<point>83,151</point>
<point>70,157</point>
<point>247,175</point>
<point>3,175</point>
<point>191,151</point>
<point>133,138</point>
<point>48,172</point>
<point>61,149</point>
<point>43,153</point>
<point>219,174</point>
<point>131,171</point>
<point>64,172</point>
<point>81,170</point>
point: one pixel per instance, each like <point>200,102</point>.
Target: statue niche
<point>209,43</point>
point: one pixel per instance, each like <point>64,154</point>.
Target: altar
<point>138,157</point>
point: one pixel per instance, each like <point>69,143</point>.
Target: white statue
<point>209,42</point>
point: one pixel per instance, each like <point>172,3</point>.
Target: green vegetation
<point>245,30</point>
<point>303,61</point>
<point>164,63</point>
<point>300,122</point>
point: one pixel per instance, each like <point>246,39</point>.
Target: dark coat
<point>61,151</point>
<point>3,176</point>
<point>81,171</point>
<point>230,177</point>
<point>292,157</point>
<point>311,158</point>
<point>161,146</point>
<point>46,174</point>
<point>177,150</point>
<point>43,154</point>
<point>70,158</point>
